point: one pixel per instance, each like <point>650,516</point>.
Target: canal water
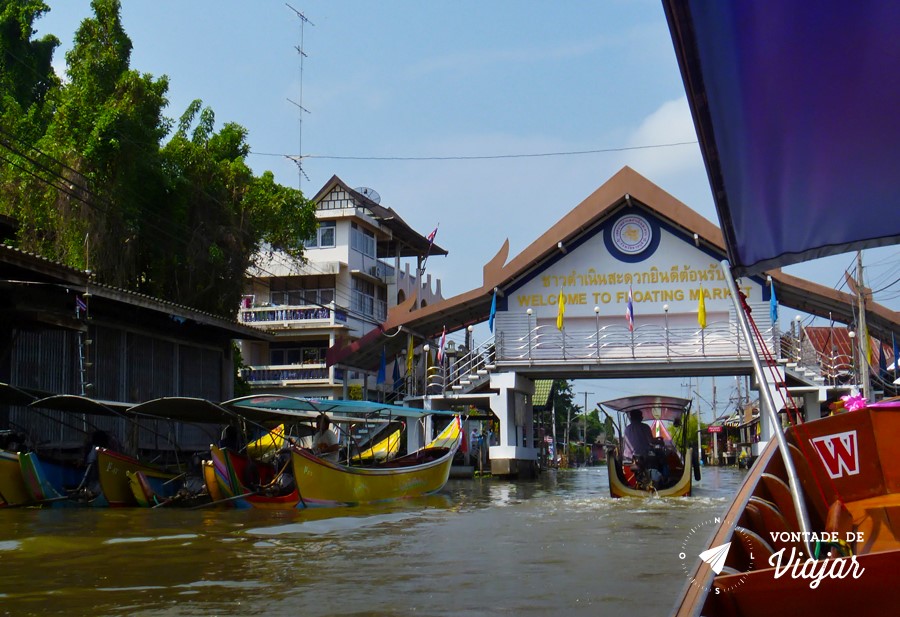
<point>558,545</point>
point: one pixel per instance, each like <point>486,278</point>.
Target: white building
<point>363,260</point>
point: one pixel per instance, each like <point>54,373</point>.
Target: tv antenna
<point>298,159</point>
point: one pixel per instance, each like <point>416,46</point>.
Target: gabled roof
<point>836,342</point>
<point>406,241</point>
<point>626,189</point>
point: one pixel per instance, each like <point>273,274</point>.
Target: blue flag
<point>398,381</point>
<point>773,305</point>
<point>382,369</point>
<point>493,312</point>
<point>882,362</point>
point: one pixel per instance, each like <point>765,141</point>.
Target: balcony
<point>292,317</point>
<point>286,375</point>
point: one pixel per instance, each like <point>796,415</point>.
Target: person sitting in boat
<point>325,442</point>
<point>639,445</point>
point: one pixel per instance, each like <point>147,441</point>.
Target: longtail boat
<point>381,450</point>
<point>12,482</point>
<point>324,483</point>
<point>53,483</point>
<point>114,468</point>
<point>667,469</point>
<point>243,482</point>
<point>795,109</point>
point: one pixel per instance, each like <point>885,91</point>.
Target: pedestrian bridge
<point>629,246</point>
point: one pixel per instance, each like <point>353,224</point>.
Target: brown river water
<point>558,545</point>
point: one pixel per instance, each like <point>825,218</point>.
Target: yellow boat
<point>666,470</point>
<point>323,483</point>
<point>12,482</point>
<point>270,442</point>
<point>385,449</point>
<point>112,467</point>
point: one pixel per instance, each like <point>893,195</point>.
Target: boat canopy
<point>652,407</point>
<point>352,409</point>
<point>74,403</point>
<point>795,105</point>
<point>258,409</point>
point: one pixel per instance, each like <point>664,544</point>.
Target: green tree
<point>28,89</point>
<point>84,171</point>
<point>567,412</point>
<point>226,217</point>
<point>27,78</point>
<point>686,429</point>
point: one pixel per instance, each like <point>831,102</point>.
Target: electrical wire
<point>476,157</point>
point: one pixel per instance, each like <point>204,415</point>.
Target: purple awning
<point>797,109</point>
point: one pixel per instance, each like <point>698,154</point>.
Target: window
<point>324,236</point>
<point>363,296</point>
<point>293,355</point>
<point>302,297</point>
<point>362,240</point>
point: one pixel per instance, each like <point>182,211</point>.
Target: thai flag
<point>440,353</point>
<point>431,237</point>
<point>629,311</point>
<point>80,305</point>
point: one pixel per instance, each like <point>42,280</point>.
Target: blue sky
<point>410,78</point>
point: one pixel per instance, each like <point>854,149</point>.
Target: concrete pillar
<point>812,408</point>
<point>767,430</point>
<point>515,454</point>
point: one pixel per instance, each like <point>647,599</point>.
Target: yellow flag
<point>409,354</point>
<point>868,345</point>
<point>701,310</point>
<point>560,309</point>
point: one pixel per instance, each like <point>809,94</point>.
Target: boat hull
<point>326,484</point>
<point>862,498</point>
<point>617,488</point>
<point>53,484</point>
<point>12,482</point>
<point>112,467</point>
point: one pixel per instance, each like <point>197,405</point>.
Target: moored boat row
<point>272,468</point>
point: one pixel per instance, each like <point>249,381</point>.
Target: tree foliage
<point>86,170</point>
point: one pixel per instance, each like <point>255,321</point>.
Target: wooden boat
<point>382,450</point>
<point>113,467</point>
<point>796,119</point>
<point>323,483</point>
<point>53,483</point>
<point>862,503</point>
<point>242,482</point>
<point>12,482</point>
<point>270,442</point>
<point>191,492</point>
<point>671,464</point>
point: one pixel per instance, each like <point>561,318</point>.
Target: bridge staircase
<point>468,373</point>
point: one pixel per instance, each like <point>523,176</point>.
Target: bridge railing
<point>616,342</point>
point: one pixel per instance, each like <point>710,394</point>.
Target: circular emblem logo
<point>696,552</point>
<point>632,234</point>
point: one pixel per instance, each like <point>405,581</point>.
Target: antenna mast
<point>298,158</point>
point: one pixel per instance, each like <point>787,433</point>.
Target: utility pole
<point>863,334</point>
<point>553,416</point>
<point>584,428</point>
